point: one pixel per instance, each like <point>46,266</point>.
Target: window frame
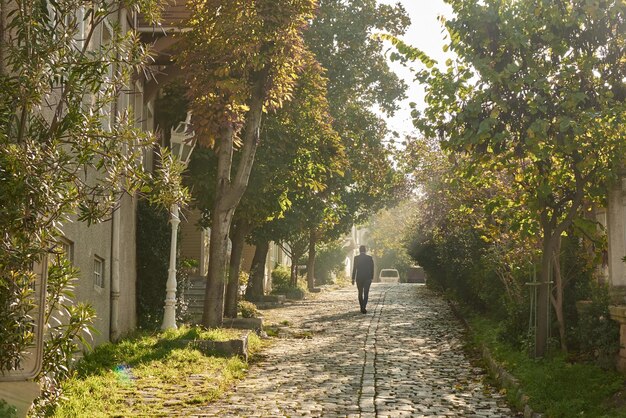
<point>98,276</point>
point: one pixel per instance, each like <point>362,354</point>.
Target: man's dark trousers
<point>363,286</point>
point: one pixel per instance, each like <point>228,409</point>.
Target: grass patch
<point>554,385</point>
<point>152,374</point>
<point>272,331</point>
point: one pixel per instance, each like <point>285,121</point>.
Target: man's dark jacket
<point>363,270</point>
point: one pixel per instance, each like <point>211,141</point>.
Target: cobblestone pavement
<point>403,358</point>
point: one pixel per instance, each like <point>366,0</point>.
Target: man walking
<point>363,273</point>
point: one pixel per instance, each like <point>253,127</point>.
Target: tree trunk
<point>216,279</point>
<point>310,265</point>
<point>552,230</point>
<point>557,299</point>
<point>227,196</point>
<point>543,294</point>
<point>294,274</point>
<point>254,291</point>
<point>238,238</point>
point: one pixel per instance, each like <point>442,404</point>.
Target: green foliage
<point>597,334</point>
<point>554,386</point>
<point>185,267</point>
<point>358,78</point>
<point>535,100</point>
<point>330,261</point>
<point>282,285</point>
<point>247,309</point>
<point>17,304</point>
<point>6,410</point>
<point>69,328</point>
<point>297,293</point>
<point>355,61</point>
<point>153,248</point>
<point>63,152</point>
<point>281,279</point>
<point>165,186</point>
<point>244,277</point>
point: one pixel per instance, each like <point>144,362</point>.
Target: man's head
<point>362,249</point>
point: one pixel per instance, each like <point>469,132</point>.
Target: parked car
<point>416,274</point>
<point>389,276</point>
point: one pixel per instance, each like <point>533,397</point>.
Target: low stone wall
<point>255,324</point>
<point>237,347</point>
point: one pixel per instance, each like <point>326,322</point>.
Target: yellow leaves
<point>232,42</point>
<point>221,72</point>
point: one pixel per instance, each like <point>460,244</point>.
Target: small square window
<point>98,271</point>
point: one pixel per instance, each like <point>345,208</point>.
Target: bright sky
<point>426,33</point>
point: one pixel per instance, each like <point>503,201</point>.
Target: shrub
<point>281,280</point>
<point>329,261</point>
<point>185,268</point>
<point>243,278</point>
<point>153,248</point>
<point>598,334</point>
<point>69,324</point>
<point>7,410</point>
<point>296,292</point>
<point>247,309</point>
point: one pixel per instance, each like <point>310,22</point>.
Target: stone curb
<point>502,376</point>
<point>255,324</point>
<point>237,347</point>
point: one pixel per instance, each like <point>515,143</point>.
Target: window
<point>98,271</point>
<point>65,248</point>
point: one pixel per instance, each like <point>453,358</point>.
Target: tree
<point>537,91</point>
<point>242,58</point>
<point>293,170</point>
<point>386,230</point>
<point>65,152</point>
<point>359,80</point>
<point>297,151</point>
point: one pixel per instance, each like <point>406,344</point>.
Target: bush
<point>598,334</point>
<point>153,248</point>
<point>69,324</point>
<point>515,330</point>
<point>6,410</point>
<point>329,261</point>
<point>184,269</point>
<point>296,292</point>
<point>247,309</point>
<point>281,280</point>
<point>281,284</point>
<point>243,278</point>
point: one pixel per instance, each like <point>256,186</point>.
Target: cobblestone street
<point>403,358</point>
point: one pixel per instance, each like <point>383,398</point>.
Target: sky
<point>426,33</point>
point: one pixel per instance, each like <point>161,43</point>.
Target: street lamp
<point>182,143</point>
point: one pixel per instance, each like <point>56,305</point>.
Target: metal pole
<point>169,313</point>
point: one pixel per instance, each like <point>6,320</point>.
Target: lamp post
<point>182,145</point>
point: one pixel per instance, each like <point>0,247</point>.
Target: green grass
<point>151,374</point>
<point>554,385</point>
